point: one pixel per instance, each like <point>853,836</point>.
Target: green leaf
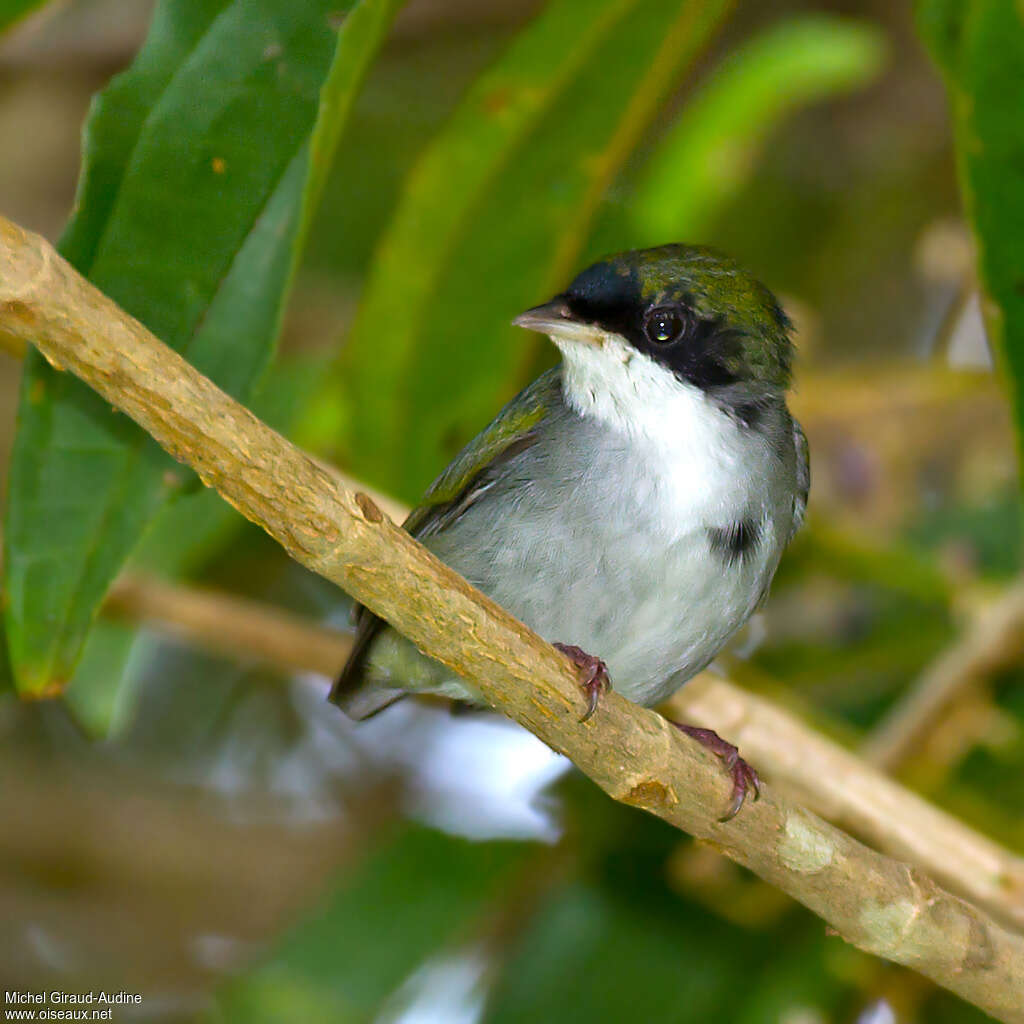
<point>197,189</point>
<point>405,904</point>
<point>6,679</point>
<point>96,696</point>
<point>184,535</point>
<point>492,220</point>
<point>101,694</point>
<point>623,958</point>
<point>980,46</point>
<point>12,11</point>
<point>710,152</point>
<point>803,975</point>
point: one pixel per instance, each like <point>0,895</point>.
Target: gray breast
<point>572,538</point>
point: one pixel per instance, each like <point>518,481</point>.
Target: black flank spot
<point>749,414</point>
<point>734,542</point>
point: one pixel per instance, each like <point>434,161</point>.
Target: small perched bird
<point>632,503</point>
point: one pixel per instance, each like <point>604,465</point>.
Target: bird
<point>632,504</point>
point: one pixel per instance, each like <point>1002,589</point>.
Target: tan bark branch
<point>230,625</point>
<point>841,787</point>
<point>805,765</point>
<point>877,903</point>
<point>994,641</point>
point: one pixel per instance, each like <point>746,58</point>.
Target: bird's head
<point>691,311</point>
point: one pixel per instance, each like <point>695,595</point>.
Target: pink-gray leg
<point>743,775</point>
<point>594,679</point>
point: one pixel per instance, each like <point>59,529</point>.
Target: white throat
<point>692,454</point>
<point>633,395</point>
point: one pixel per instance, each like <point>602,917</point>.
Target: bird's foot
<point>743,775</point>
<point>594,679</point>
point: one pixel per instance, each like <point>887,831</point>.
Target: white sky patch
<point>475,775</point>
<point>443,991</point>
<point>483,777</point>
<point>878,1013</point>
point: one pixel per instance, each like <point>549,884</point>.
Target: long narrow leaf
<point>980,46</point>
<point>12,11</point>
<point>711,150</point>
<point>494,215</point>
<point>197,185</point>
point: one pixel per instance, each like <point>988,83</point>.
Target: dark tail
<point>356,695</point>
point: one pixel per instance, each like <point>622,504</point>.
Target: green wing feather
<point>467,477</point>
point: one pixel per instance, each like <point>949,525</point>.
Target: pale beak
<point>556,319</point>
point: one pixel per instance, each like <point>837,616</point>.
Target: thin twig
<point>879,904</point>
<point>841,787</point>
<point>226,624</point>
<point>994,641</point>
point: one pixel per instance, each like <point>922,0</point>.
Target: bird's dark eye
<point>664,326</point>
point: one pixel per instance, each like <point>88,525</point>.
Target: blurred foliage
<point>549,122</point>
<point>12,11</point>
<point>493,148</point>
<point>980,47</point>
<point>712,149</point>
<point>183,536</point>
<point>6,681</point>
<point>589,938</point>
<point>437,887</point>
<point>236,87</point>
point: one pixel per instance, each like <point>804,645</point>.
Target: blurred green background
<point>209,833</point>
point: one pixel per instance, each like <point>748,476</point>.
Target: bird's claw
<point>594,679</point>
<point>744,777</point>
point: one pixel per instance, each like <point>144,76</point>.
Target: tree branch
<point>879,904</point>
<point>841,787</point>
<point>807,766</point>
<point>230,625</point>
<point>993,641</point>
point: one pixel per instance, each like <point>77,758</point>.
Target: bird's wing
<point>803,476</point>
<point>475,469</point>
<point>469,475</point>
